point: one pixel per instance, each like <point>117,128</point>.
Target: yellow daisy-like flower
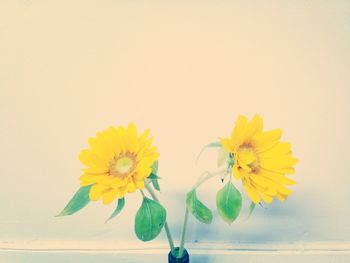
<point>118,162</point>
<point>260,160</point>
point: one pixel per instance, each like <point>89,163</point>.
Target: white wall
<point>186,70</point>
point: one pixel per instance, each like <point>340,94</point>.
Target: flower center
<point>122,165</point>
<point>247,158</point>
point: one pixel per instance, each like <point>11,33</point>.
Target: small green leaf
<point>251,209</point>
<point>198,209</point>
<point>228,202</point>
<point>149,220</point>
<point>154,177</point>
<point>79,200</point>
<point>155,168</point>
<point>154,180</point>
<point>118,209</point>
<point>210,145</point>
<point>222,157</point>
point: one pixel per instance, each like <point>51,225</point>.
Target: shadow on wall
<point>291,221</point>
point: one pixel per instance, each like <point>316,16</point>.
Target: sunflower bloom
<point>261,160</point>
<point>118,162</point>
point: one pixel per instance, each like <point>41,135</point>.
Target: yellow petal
<point>131,186</point>
<point>96,191</point>
<point>108,180</point>
<point>150,156</point>
<point>144,148</point>
<point>266,140</point>
<point>263,181</point>
<point>132,142</point>
<point>270,189</point>
<point>119,182</point>
<point>278,163</point>
<point>281,197</point>
<point>246,157</point>
<point>238,133</point>
<point>87,179</point>
<point>144,136</point>
<point>277,177</point>
<point>279,149</point>
<point>267,198</point>
<point>252,193</point>
<point>92,160</point>
<point>236,172</point>
<point>121,192</point>
<point>121,134</point>
<point>140,184</point>
<point>254,127</point>
<point>284,191</point>
<point>227,144</point>
<point>109,196</point>
<point>101,147</point>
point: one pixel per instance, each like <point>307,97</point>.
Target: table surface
<point>87,257</point>
<point>37,252</point>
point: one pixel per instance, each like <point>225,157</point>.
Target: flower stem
<point>183,233</point>
<point>166,226</point>
<point>207,175</point>
<point>204,177</point>
<point>142,193</point>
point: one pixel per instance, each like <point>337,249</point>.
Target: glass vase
<point>185,258</point>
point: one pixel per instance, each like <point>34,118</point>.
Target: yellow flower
<point>118,162</point>
<point>260,160</point>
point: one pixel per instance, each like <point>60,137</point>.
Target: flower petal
<point>109,196</point>
<point>96,191</point>
<point>237,173</point>
<point>280,148</point>
<point>252,193</point>
<point>266,140</point>
<point>254,127</point>
<point>238,133</point>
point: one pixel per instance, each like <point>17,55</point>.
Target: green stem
<point>166,226</point>
<point>183,233</point>
<point>204,177</point>
<point>142,193</point>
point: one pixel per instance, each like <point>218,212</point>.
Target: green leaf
<point>198,209</point>
<point>79,200</point>
<point>118,209</point>
<point>153,176</point>
<point>251,209</point>
<point>228,202</point>
<point>222,157</point>
<point>210,145</point>
<point>149,220</point>
<point>155,168</point>
<point>154,180</point>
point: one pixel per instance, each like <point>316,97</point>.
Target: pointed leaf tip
<point>154,180</point>
<point>251,209</point>
<point>78,201</point>
<point>118,209</point>
<point>153,177</point>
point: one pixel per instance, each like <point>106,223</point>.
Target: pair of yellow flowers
<point>120,159</point>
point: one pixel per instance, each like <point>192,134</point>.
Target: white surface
<point>185,69</point>
<point>200,253</point>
